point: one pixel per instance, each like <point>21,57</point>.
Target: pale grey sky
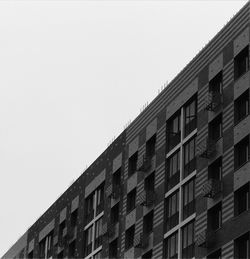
<point>73,73</point>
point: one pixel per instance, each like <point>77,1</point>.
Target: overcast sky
<point>73,73</point>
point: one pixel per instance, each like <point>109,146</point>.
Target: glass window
<point>97,255</point>
<point>215,169</point>
<point>241,153</point>
<point>131,197</point>
<point>113,247</point>
<point>98,233</point>
<point>172,246</point>
<point>132,164</point>
<point>188,198</point>
<point>190,112</point>
<point>189,157</point>
<point>88,240</point>
<point>241,63</point>
<point>241,199</point>
<point>173,171</point>
<point>150,147</point>
<point>172,210</point>
<point>148,222</point>
<point>241,247</point>
<point>214,218</point>
<point>241,107</point>
<point>215,128</point>
<point>174,130</point>
<point>129,237</point>
<point>188,241</point>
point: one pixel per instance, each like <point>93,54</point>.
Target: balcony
<point>211,188</point>
<point>141,241</point>
<point>207,149</point>
<point>213,101</point>
<point>147,198</point>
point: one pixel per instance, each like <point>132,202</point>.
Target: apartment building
<point>175,183</point>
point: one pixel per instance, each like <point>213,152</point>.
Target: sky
<point>73,73</point>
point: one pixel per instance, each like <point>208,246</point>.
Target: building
<point>175,183</point>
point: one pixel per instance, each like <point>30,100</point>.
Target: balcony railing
<point>211,188</point>
<point>188,209</point>
<point>190,167</point>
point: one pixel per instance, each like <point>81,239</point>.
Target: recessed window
<point>189,157</point>
<point>171,246</point>
<point>173,170</point>
<point>215,128</point>
<point>172,211</point>
<point>129,237</point>
<point>113,247</point>
<point>132,164</point>
<point>116,178</point>
<point>72,248</point>
<point>188,199</point>
<point>188,241</point>
<point>149,182</point>
<point>148,223</point>
<point>215,85</point>
<point>190,114</point>
<point>241,247</point>
<point>241,63</point>
<point>88,240</point>
<point>241,153</point>
<point>73,218</point>
<point>150,147</point>
<point>214,218</point>
<point>215,169</point>
<point>98,233</point>
<point>241,199</point>
<point>89,208</point>
<point>174,131</point>
<point>131,197</point>
<point>241,107</point>
<point>215,255</point>
<point>147,255</point>
<point>114,214</point>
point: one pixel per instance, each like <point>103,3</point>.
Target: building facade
<point>175,183</point>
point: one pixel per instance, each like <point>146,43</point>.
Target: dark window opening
<point>100,199</point>
<point>61,254</point>
<point>241,153</point>
<point>62,226</point>
<point>171,246</point>
<point>173,170</point>
<point>189,157</point>
<point>30,255</point>
<point>188,199</point>
<point>215,85</point>
<point>214,218</point>
<point>98,233</point>
<point>116,178</point>
<point>129,237</point>
<point>148,223</point>
<point>215,128</point>
<point>188,241</point>
<point>215,170</point>
<point>131,197</point>
<point>89,208</point>
<point>132,164</point>
<point>241,63</point>
<point>147,255</point>
<point>241,199</point>
<point>88,240</point>
<point>172,211</point>
<point>114,214</point>
<point>215,255</point>
<point>72,248</point>
<point>150,147</point>
<point>113,247</point>
<point>149,182</point>
<point>73,218</point>
<point>190,113</point>
<point>174,131</point>
<point>241,247</point>
<point>241,107</point>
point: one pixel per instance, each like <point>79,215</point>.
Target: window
<point>61,254</point>
<point>88,240</point>
<point>149,182</point>
<point>99,199</point>
<point>116,179</point>
<point>241,107</point>
<point>150,147</point>
<point>189,157</point>
<point>215,128</point>
<point>172,246</point>
<point>241,63</point>
<point>188,199</point>
<point>62,226</point>
<point>98,233</point>
<point>132,164</point>
<point>45,246</point>
<point>129,237</point>
<point>215,170</point>
<point>190,113</point>
<point>241,153</point>
<point>131,200</point>
<point>114,214</point>
<point>215,85</point>
<point>172,210</point>
<point>113,246</point>
<point>214,218</point>
<point>241,199</point>
<point>241,247</point>
<point>30,255</point>
<point>173,170</point>
<point>97,255</point>
<point>89,208</point>
<point>72,247</point>
<point>174,131</point>
<point>188,241</point>
<point>147,255</point>
<point>73,218</point>
<point>215,255</point>
<point>148,223</point>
